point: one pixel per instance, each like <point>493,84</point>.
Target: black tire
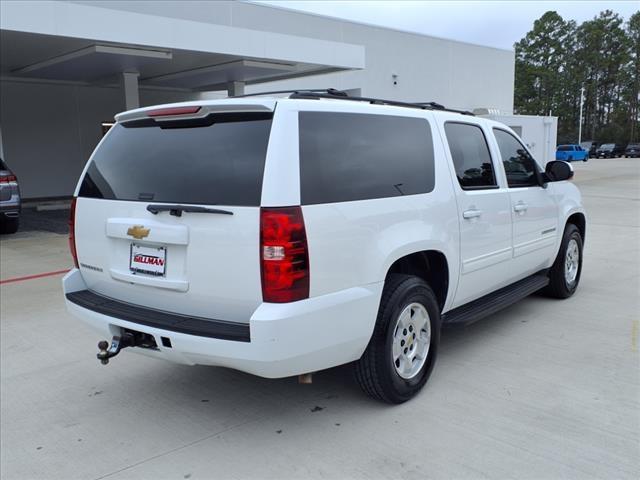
<point>375,372</point>
<point>9,225</point>
<point>570,159</point>
<point>558,286</point>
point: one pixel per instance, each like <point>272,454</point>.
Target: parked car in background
<point>285,242</point>
<point>610,150</point>
<point>569,153</point>
<point>9,200</point>
<point>632,150</point>
<point>590,147</point>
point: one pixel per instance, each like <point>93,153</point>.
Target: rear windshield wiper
<point>176,210</point>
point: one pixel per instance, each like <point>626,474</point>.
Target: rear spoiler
<point>192,110</point>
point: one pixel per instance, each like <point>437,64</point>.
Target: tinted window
<point>565,148</point>
<point>519,166</point>
<point>470,155</point>
<point>351,156</point>
<point>220,163</point>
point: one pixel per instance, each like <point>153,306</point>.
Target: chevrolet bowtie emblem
<point>138,231</point>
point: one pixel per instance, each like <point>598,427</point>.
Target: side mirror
<point>557,171</point>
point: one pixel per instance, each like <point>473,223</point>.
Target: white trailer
<point>539,133</point>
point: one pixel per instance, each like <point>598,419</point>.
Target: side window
<point>354,156</point>
<point>471,156</point>
<point>519,166</point>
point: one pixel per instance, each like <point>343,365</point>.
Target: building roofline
<point>373,25</point>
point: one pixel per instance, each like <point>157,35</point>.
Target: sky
<point>492,23</point>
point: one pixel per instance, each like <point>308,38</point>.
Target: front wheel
<point>403,348</point>
<point>564,275</point>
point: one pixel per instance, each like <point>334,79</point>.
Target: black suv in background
<point>609,150</point>
<point>632,150</point>
<point>590,147</point>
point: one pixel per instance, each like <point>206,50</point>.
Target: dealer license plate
<point>148,260</point>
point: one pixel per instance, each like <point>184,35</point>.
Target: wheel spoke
<point>403,319</point>
<point>397,351</point>
<point>411,339</point>
<point>419,318</point>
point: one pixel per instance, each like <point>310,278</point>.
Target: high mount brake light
<point>284,255</point>
<point>72,232</point>
<point>167,112</point>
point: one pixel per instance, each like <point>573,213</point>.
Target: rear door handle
<point>520,207</point>
<point>471,213</point>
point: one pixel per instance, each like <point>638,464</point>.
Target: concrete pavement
<point>545,389</point>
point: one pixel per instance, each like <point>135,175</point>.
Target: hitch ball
<point>103,354</point>
<point>117,343</point>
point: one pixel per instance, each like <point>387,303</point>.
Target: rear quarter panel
<point>354,243</point>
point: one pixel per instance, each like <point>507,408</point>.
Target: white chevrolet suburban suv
<point>282,235</point>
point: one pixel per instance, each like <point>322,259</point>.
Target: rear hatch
<point>168,211</point>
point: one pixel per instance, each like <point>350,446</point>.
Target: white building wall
<point>51,128</point>
<point>456,74</point>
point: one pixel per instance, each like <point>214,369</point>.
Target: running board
<point>496,301</point>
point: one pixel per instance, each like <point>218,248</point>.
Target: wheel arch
<point>430,265</point>
<point>579,220</point>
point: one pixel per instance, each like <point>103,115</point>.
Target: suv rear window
<point>565,148</point>
<point>353,156</point>
<point>221,163</point>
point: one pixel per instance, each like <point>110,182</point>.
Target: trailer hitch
<point>129,338</point>
<point>117,344</point>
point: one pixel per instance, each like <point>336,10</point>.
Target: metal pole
<point>580,123</point>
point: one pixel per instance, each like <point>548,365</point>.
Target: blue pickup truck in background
<point>568,153</point>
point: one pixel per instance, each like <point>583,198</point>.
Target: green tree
<point>631,89</point>
<point>602,52</point>
<point>557,57</point>
<point>540,64</point>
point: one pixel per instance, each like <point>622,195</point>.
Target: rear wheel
<point>402,351</point>
<point>564,275</point>
<point>9,225</point>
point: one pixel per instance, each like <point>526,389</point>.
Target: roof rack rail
<point>292,91</point>
<point>439,106</point>
<point>335,94</point>
<point>340,95</point>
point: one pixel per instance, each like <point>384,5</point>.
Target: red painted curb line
<point>31,277</point>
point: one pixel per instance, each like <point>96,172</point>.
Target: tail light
<point>284,255</point>
<point>72,232</point>
<point>8,178</point>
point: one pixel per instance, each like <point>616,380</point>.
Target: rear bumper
<point>10,208</point>
<point>283,339</point>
